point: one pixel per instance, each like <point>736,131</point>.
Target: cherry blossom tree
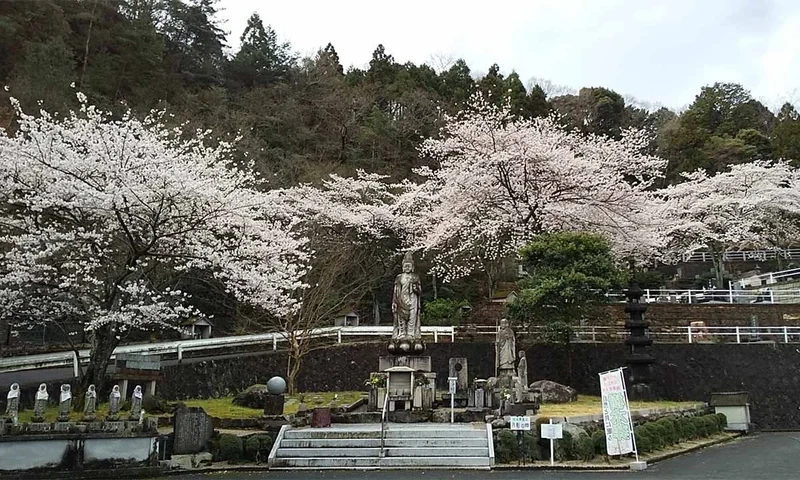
<point>350,224</point>
<point>744,207</point>
<point>98,215</point>
<point>499,181</point>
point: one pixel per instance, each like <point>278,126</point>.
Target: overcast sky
<point>659,51</point>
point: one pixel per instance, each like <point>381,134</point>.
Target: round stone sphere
<point>276,385</point>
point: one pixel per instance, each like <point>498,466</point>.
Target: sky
<point>657,51</point>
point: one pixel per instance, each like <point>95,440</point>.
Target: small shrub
<point>688,429</point>
<point>656,434</point>
<point>670,433</point>
<point>712,424</point>
<point>722,421</point>
<point>212,447</point>
<point>599,440</point>
<point>230,447</point>
<point>565,448</point>
<point>643,442</point>
<point>252,448</point>
<point>506,447</point>
<point>530,446</point>
<point>584,448</point>
<point>700,426</point>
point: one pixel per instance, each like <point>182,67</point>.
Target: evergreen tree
<point>261,60</point>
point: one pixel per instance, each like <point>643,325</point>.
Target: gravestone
<point>40,403</point>
<point>12,403</point>
<point>458,369</point>
<point>113,404</point>
<point>193,428</point>
<point>90,405</point>
<point>136,403</point>
<point>64,403</point>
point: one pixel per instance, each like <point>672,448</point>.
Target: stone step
<point>303,433</point>
<point>366,463</point>
<point>388,442</point>
<point>451,452</point>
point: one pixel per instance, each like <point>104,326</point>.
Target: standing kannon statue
<point>406,310</point>
<point>505,352</point>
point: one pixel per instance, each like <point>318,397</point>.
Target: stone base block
<point>417,363</point>
<point>117,426</point>
<point>39,427</point>
<point>639,466</point>
<point>63,426</point>
<point>273,405</point>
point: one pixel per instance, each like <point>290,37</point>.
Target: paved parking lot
<point>773,456</point>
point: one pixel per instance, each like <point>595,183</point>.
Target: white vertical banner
<point>616,413</point>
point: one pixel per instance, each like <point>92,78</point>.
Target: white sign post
<point>617,414</point>
<point>452,381</point>
<point>552,431</point>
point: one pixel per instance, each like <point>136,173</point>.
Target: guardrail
<point>179,347</point>
<point>587,334</point>
<point>672,334</point>
<point>764,295</point>
<point>770,278</point>
<point>744,255</point>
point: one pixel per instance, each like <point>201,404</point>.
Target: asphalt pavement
<point>769,456</point>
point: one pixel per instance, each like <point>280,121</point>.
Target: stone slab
<point>416,362</point>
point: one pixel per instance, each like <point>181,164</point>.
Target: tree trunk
<point>376,308</point>
<point>104,341</point>
<point>435,290</point>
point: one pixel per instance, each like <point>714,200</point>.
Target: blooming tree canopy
<point>499,181</point>
<point>97,214</point>
<point>744,207</point>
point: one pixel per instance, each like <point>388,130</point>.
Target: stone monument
<point>410,381</point>
<point>522,369</point>
<point>113,404</point>
<point>639,360</point>
<point>136,403</point>
<point>90,404</point>
<point>505,354</point>
<point>12,403</point>
<point>406,310</point>
<point>275,400</point>
<point>40,403</point>
<point>64,403</point>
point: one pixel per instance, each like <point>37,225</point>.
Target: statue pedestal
<point>410,383</point>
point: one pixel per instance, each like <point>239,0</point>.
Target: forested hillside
<point>302,118</point>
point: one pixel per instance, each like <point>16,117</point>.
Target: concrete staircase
<point>407,446</point>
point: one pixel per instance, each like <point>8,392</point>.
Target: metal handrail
<point>384,417</point>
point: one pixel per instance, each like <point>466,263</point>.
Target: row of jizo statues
<point>65,404</point>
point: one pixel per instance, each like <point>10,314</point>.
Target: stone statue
<point>113,404</point>
<point>506,351</point>
<point>40,403</point>
<point>522,370</point>
<point>406,309</point>
<point>90,405</point>
<point>12,403</point>
<point>136,402</point>
<point>64,403</point>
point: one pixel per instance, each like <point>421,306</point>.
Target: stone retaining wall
<point>682,372</point>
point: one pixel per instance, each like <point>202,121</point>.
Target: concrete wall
<point>26,452</point>
<point>771,373</point>
<point>32,454</point>
<point>118,449</point>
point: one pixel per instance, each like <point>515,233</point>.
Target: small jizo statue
<point>522,370</point>
<point>90,405</point>
<point>64,403</point>
<point>40,403</point>
<point>113,404</point>
<point>12,403</point>
<point>136,403</point>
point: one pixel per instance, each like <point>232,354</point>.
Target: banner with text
<point>616,413</point>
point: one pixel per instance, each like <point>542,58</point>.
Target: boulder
<point>552,392</point>
<point>255,396</point>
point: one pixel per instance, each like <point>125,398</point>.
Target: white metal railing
<point>664,295</point>
<point>384,418</point>
<point>744,255</point>
<point>179,347</point>
<point>665,334</point>
<point>770,278</point>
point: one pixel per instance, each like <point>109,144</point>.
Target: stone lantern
<point>638,358</point>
